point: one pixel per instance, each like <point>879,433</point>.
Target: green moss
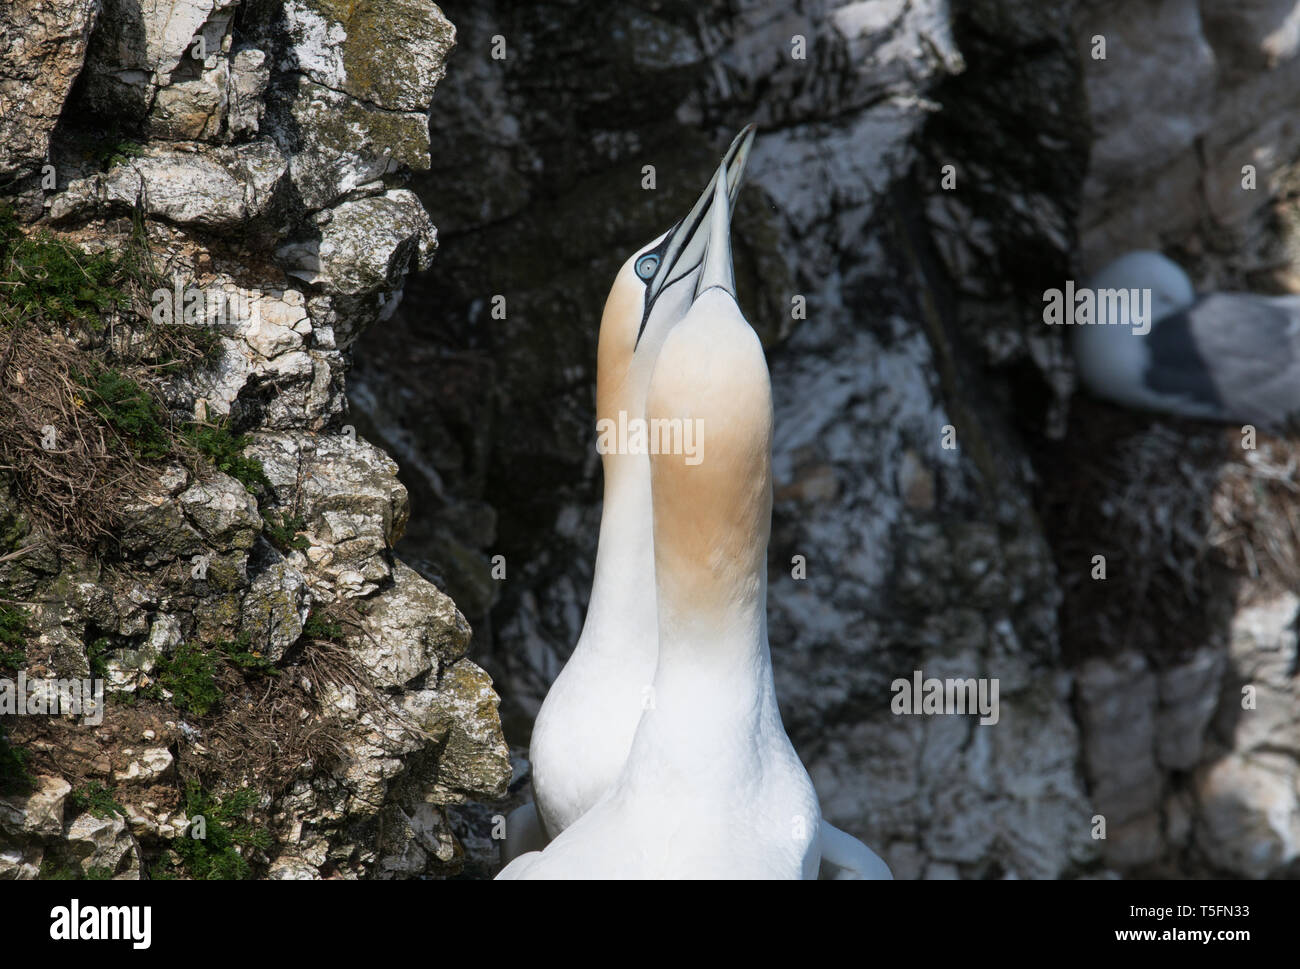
<point>96,655</point>
<point>226,451</point>
<point>240,652</point>
<point>97,799</point>
<point>14,776</point>
<point>122,150</point>
<point>13,527</point>
<point>13,637</point>
<point>189,675</point>
<point>10,233</point>
<point>319,627</point>
<point>107,146</point>
<point>130,410</point>
<point>215,857</point>
<point>48,278</point>
<point>52,871</point>
<point>283,534</point>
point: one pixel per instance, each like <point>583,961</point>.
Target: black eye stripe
<point>679,233</point>
<point>645,316</point>
<point>658,253</point>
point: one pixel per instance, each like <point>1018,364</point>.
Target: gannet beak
<point>717,270</point>
<point>685,244</point>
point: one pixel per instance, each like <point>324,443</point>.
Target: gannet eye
<point>646,265</point>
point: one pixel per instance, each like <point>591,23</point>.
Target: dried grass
<point>68,318</point>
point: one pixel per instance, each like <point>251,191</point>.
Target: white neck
<point>713,686</point>
<point>622,606</point>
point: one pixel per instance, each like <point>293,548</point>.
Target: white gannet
<point>712,787</point>
<point>584,729</point>
<point>1220,356</point>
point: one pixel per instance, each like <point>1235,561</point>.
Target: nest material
<point>72,471</point>
<point>73,467</point>
<point>268,731</point>
<point>1180,511</point>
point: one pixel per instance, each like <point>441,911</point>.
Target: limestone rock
<point>257,122</point>
<point>250,72</point>
<point>213,189</point>
<point>59,634</point>
<point>412,629</point>
<point>1249,815</point>
<point>21,862</point>
<point>275,609</point>
<point>1219,76</point>
<point>1189,695</point>
<point>1263,654</point>
<point>415,842</point>
<point>394,61</point>
<point>42,47</point>
<point>148,765</point>
<point>128,668</point>
<point>156,528</point>
<point>140,51</point>
<point>39,813</point>
<point>363,253</point>
<point>463,708</point>
<point>102,843</point>
<point>368,245</point>
<point>348,493</point>
<point>288,867</point>
<point>347,115</point>
<point>223,511</point>
<point>1118,704</point>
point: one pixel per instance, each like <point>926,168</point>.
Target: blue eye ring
<point>646,265</point>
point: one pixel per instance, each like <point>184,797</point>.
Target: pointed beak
<point>717,271</point>
<point>685,244</point>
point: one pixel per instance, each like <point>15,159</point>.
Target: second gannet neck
<point>621,612</point>
<point>712,518</point>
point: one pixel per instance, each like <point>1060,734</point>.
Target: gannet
<point>584,729</point>
<point>1220,356</point>
<point>711,787</point>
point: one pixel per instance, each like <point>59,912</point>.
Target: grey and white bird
<point>1222,356</point>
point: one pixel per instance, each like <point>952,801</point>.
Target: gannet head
<point>712,510</point>
<point>653,291</point>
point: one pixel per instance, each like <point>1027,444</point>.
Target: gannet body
<point>1221,356</point>
<point>712,787</point>
<point>583,731</point>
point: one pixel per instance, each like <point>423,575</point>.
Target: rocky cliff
<point>210,531</point>
<point>206,204</point>
<point>924,172</point>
